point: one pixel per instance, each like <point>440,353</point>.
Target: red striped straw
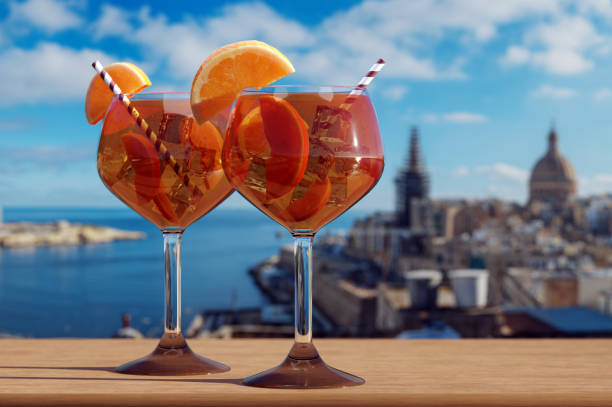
<point>363,83</point>
<point>144,126</point>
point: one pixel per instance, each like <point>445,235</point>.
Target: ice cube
<point>256,176</point>
<point>348,158</point>
<point>209,159</point>
<point>184,197</point>
<point>357,182</point>
<point>330,124</point>
<point>180,193</point>
<point>320,160</point>
<point>195,162</point>
<point>126,172</point>
<point>169,177</point>
<point>346,165</point>
<point>338,191</point>
<point>175,128</point>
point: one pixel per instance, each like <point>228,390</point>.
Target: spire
<point>552,139</point>
<point>415,156</point>
<point>412,183</point>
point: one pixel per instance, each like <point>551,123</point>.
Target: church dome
<point>553,178</point>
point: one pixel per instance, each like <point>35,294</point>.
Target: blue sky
<point>483,80</point>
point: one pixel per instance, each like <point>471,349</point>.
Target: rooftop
<point>569,320</point>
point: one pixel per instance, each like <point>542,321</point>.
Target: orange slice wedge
<point>207,143</point>
<point>232,68</point>
<point>145,162</point>
<point>251,137</point>
<point>313,201</point>
<point>130,79</point>
<point>207,136</point>
<point>287,135</point>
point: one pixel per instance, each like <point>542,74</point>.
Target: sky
<point>482,80</point>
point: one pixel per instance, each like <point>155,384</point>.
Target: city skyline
<point>482,81</point>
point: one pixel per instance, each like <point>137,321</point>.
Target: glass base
<point>303,369</point>
<point>172,357</point>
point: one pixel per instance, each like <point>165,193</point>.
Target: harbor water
<point>82,291</point>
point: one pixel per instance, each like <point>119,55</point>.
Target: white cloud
<point>395,93</point>
<point>479,18</point>
<point>500,190</point>
<point>560,46</point>
<point>574,32</point>
<point>404,33</point>
<point>503,171</point>
<point>464,117</point>
<point>596,184</point>
<point>47,154</point>
<point>562,61</point>
<point>603,94</point>
<point>455,117</point>
<point>460,171</point>
<point>515,56</point>
<point>184,45</point>
<point>258,20</point>
<point>341,47</point>
<point>546,91</point>
<point>49,15</point>
<point>597,7</point>
<point>431,118</point>
<point>14,124</point>
<point>48,72</point>
<point>113,22</point>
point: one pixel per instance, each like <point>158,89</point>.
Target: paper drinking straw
<point>144,126</point>
<point>363,83</point>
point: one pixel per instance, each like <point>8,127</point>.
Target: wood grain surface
<point>78,372</point>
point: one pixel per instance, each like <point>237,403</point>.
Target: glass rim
<point>155,95</point>
<point>341,89</point>
<point>338,89</point>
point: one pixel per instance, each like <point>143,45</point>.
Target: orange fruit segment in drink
<point>232,68</point>
<point>145,163</point>
<point>165,207</point>
<point>251,141</point>
<point>251,135</point>
<point>206,137</point>
<point>127,76</point>
<point>314,199</point>
<point>287,135</point>
<point>206,143</point>
<point>147,173</point>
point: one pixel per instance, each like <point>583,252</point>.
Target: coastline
<point>62,232</point>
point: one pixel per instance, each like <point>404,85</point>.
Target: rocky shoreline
<point>26,234</point>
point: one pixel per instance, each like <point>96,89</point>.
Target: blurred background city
<point>493,217</point>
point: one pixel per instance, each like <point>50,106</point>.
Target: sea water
<point>82,291</point>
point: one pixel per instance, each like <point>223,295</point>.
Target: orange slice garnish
<point>130,79</point>
<point>313,201</point>
<point>232,68</point>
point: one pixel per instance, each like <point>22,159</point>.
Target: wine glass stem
<point>172,286</point>
<point>302,249</point>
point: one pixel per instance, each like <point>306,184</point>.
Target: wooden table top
<point>78,372</point>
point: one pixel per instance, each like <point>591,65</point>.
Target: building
<point>552,180</point>
<point>412,187</point>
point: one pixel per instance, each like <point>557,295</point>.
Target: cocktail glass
<point>171,180</point>
<point>303,155</point>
